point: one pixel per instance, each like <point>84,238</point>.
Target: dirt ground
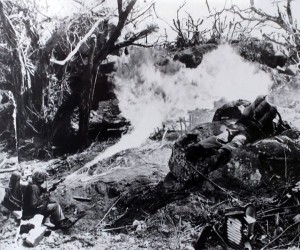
<point>148,162</point>
<point>175,226</point>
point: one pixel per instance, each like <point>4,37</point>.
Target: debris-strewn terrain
<point>111,112</point>
<point>127,210</point>
<point>146,165</point>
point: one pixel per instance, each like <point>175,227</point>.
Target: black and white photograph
<point>149,124</point>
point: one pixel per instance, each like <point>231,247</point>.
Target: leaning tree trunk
<point>22,114</point>
<point>85,105</point>
<point>92,69</point>
<point>29,118</point>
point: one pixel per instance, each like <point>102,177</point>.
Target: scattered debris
<point>79,198</point>
<point>235,231</point>
<point>139,226</point>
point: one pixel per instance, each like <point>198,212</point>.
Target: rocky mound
<point>251,49</point>
<point>251,166</point>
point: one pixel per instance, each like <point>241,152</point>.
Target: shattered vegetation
<point>252,201</point>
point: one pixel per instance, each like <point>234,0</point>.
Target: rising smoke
<point>151,90</point>
<point>148,92</point>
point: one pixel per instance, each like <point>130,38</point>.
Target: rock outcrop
<point>253,49</point>
<point>255,165</point>
<point>251,166</point>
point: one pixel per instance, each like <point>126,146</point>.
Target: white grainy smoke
<point>150,94</point>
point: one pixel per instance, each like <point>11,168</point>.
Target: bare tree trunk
<point>92,67</point>
<point>88,83</point>
<point>27,120</point>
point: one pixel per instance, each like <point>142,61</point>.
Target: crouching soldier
<point>257,122</point>
<point>37,201</point>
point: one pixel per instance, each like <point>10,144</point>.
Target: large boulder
<point>257,164</point>
<point>251,166</point>
<point>124,178</point>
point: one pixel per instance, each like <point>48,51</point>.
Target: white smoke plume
<point>150,94</point>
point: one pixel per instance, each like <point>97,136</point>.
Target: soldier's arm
<point>38,199</point>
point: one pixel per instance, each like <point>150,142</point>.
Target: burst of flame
<point>150,94</point>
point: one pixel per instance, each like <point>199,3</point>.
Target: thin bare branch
<point>152,5</point>
<point>276,41</point>
<point>207,5</point>
<point>180,7</point>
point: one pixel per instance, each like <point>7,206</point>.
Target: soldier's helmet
<point>39,175</point>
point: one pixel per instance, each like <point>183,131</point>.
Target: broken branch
<point>79,44</point>
<point>8,170</point>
